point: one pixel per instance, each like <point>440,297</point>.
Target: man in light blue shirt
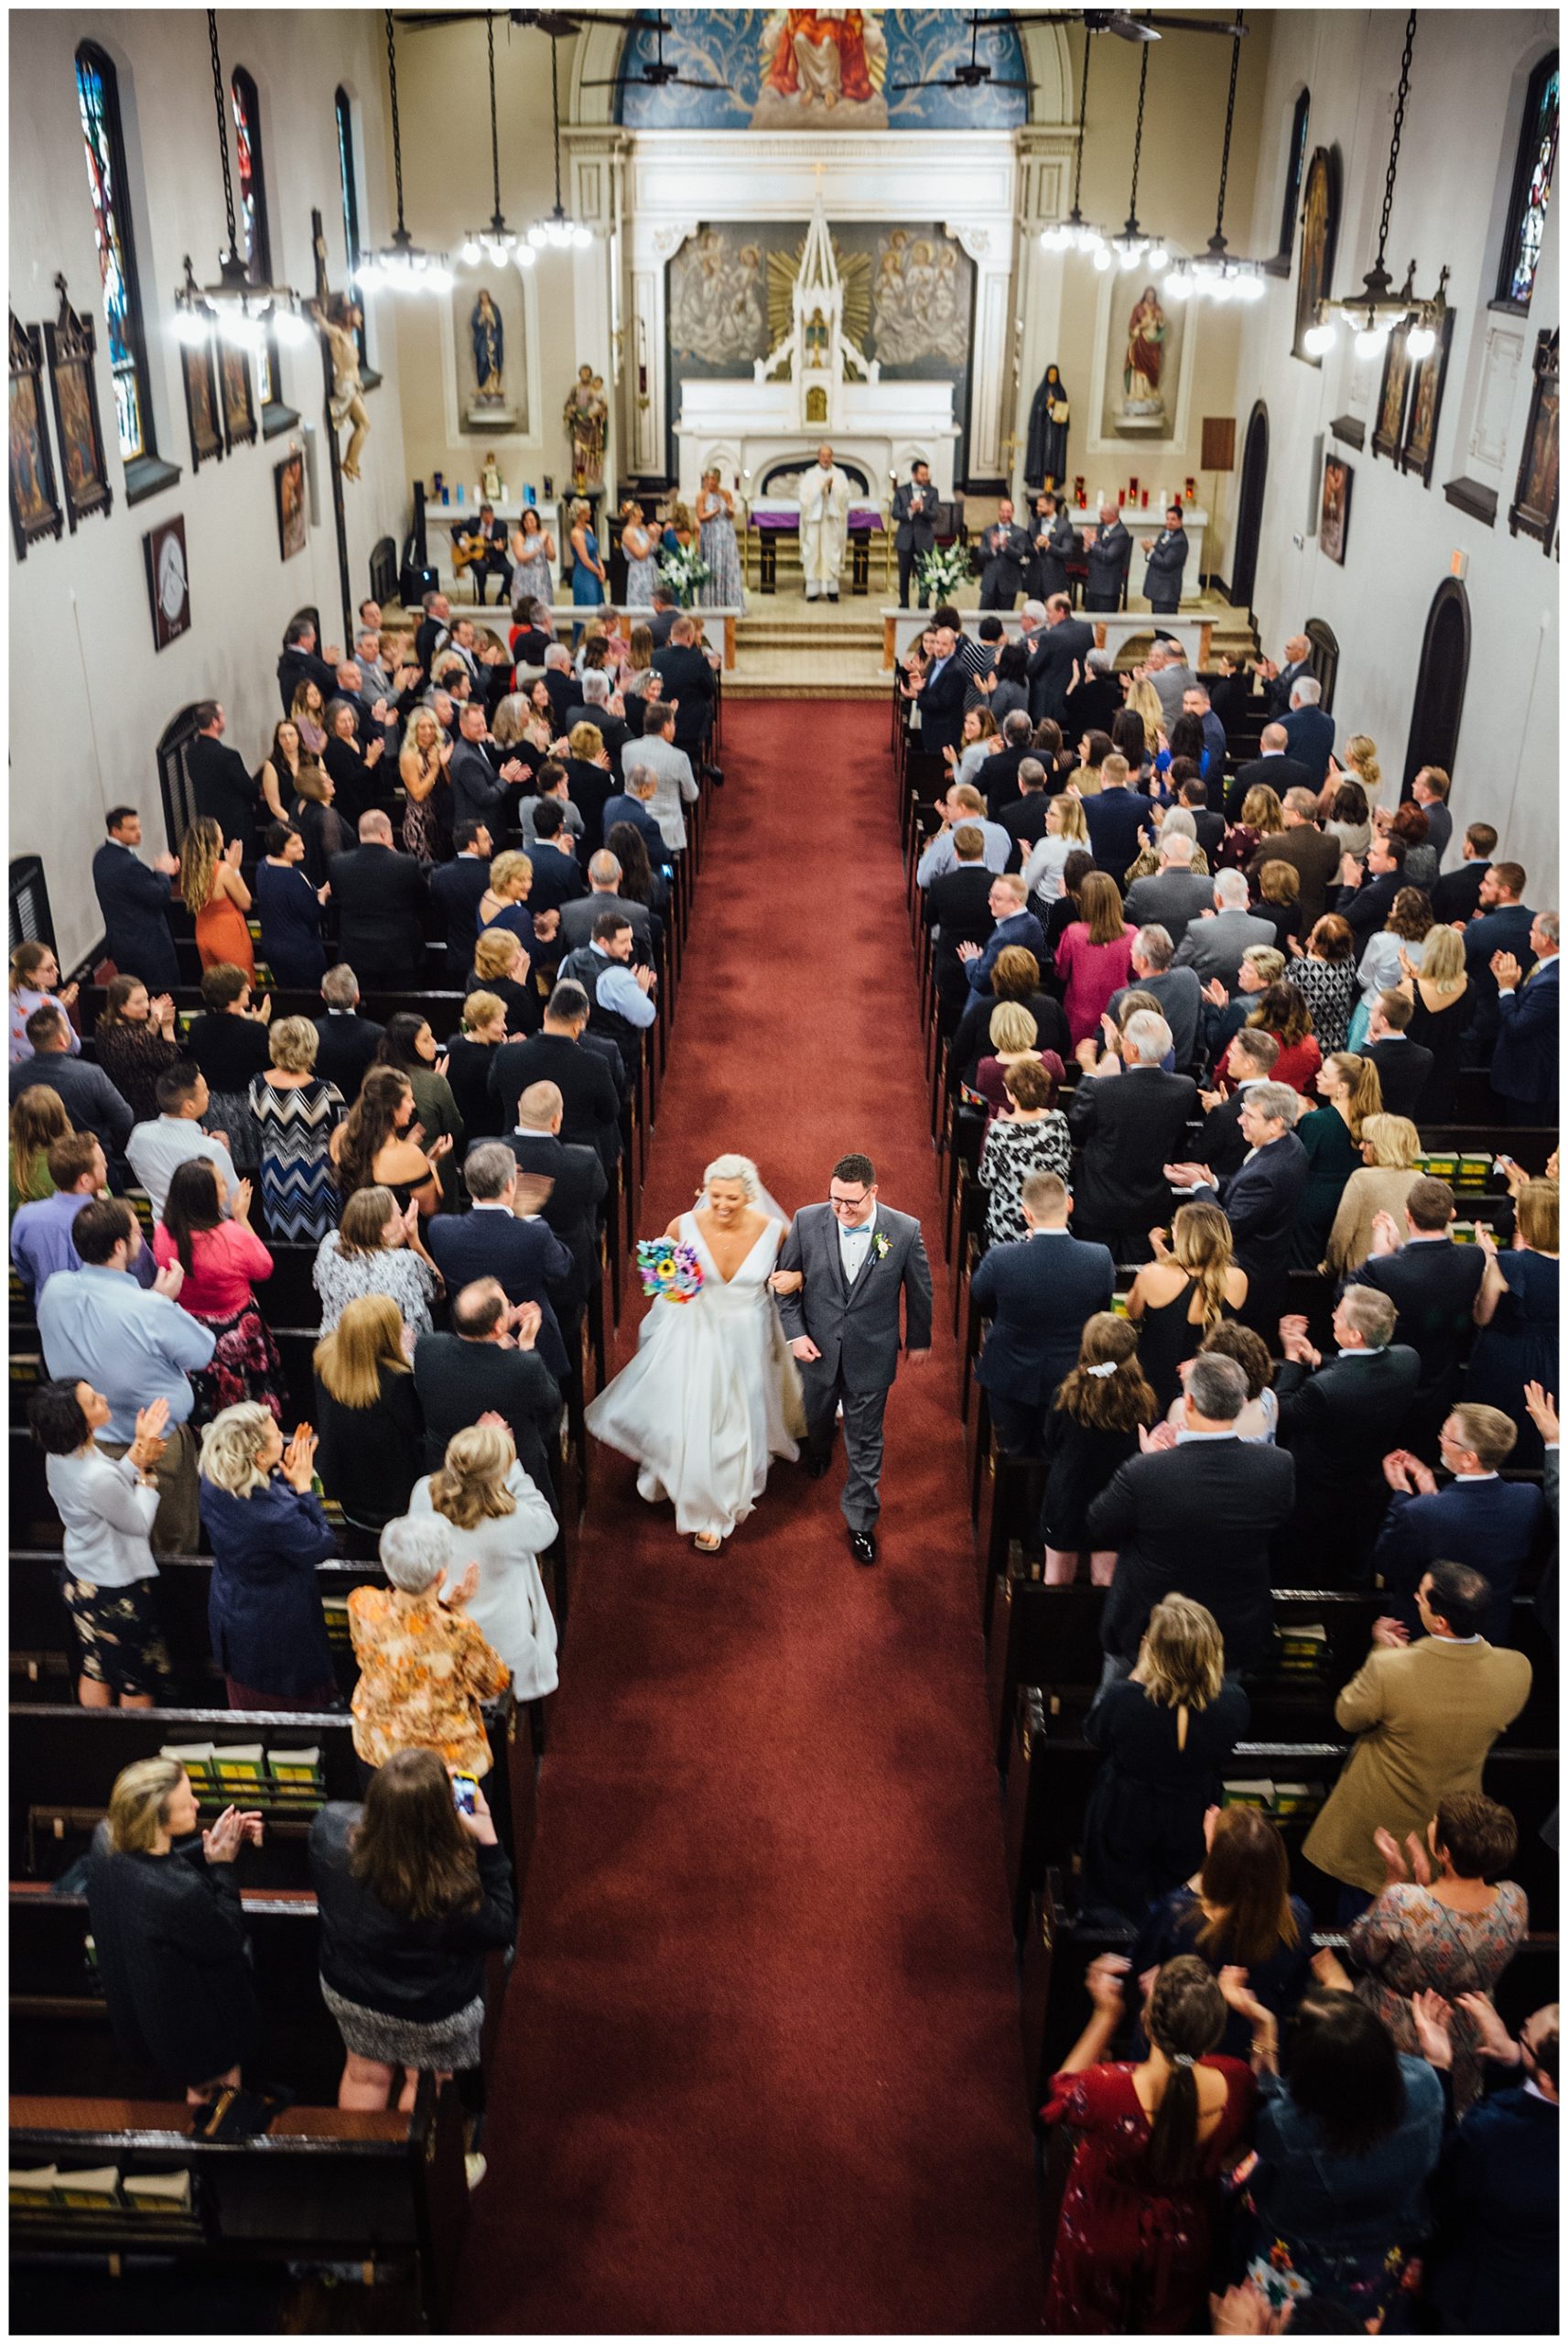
<point>963,804</point>
<point>99,1328</point>
<point>41,1232</point>
<point>157,1150</point>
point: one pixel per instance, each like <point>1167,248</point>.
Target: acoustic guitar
<point>468,550</point>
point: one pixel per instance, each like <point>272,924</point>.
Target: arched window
<point>252,212</point>
<point>349,180</point>
<point>98,101</point>
<point>1295,172</point>
<point>1534,164</point>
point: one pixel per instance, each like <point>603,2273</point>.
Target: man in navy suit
<point>492,1242</point>
<point>1055,648</point>
<point>1457,896</point>
<point>1491,1523</point>
<point>1260,1200</point>
<point>1309,730</point>
<point>457,890</point>
<point>1015,924</point>
<point>1116,815</point>
<point>1502,924</point>
<point>1366,896</point>
<point>1524,1057</point>
<point>1006,549</point>
<point>942,694</point>
<point>1037,1295</point>
<point>135,903</point>
<point>1432,1284</point>
<point>1338,1417</point>
<point>1491,2260</point>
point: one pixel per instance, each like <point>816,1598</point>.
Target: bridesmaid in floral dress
<point>642,556</point>
<point>533,553</point>
<point>716,536</point>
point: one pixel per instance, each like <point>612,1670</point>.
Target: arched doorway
<point>1249,509</point>
<point>174,777</point>
<point>1440,683</point>
<point>1324,661</point>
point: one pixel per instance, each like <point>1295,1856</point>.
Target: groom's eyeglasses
<point>841,1203</point>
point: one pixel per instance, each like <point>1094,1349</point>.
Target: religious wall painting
<point>1387,431</point>
<point>1142,364</point>
<point>202,413</point>
<point>1320,231</point>
<point>718,301</point>
<point>239,412</point>
<point>35,506</point>
<point>921,294</point>
<point>823,70</point>
<point>1334,517</point>
<point>1534,508</point>
<point>1427,375</point>
<point>289,485</point>
<point>907,291</point>
<point>71,343</point>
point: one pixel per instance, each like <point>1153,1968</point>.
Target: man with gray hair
<point>1024,819</point>
<point>1261,1200</point>
<point>1177,991</point>
<point>1176,895</point>
<point>561,685</point>
<point>597,708</point>
<point>1273,769</point>
<point>998,776</point>
<point>349,1042</point>
<point>1127,1117</point>
<point>634,805</point>
<point>489,1361</point>
<point>1110,559</point>
<point>1338,1418</point>
<point>501,1238</point>
<point>429,1643</point>
<point>578,921</point>
<point>1193,1515</point>
<point>1166,668</point>
<point>675,783</point>
<point>1309,730</point>
<point>1213,943</point>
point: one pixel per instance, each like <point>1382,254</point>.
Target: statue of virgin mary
<point>489,347</point>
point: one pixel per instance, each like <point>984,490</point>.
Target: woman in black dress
<point>319,823</point>
<point>1167,1731</point>
<point>1440,996</point>
<point>1091,1432</point>
<point>470,1054</point>
<point>290,910</point>
<point>1190,1286</point>
<point>369,1422</point>
<point>1236,1909</point>
<point>229,1043</point>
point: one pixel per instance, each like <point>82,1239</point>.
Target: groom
<point>855,1257</point>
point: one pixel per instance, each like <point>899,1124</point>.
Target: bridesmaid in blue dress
<point>289,911</point>
<point>642,560</point>
<point>588,570</point>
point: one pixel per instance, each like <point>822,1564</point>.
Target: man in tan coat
<point>1426,1715</point>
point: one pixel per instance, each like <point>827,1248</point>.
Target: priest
<point>824,524</point>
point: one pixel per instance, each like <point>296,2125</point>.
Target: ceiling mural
<point>822,69</point>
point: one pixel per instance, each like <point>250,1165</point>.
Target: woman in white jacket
<point>501,1522</point>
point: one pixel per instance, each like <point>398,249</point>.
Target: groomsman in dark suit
<point>133,900</point>
<point>1110,558</point>
<point>1054,542</point>
<point>915,505</point>
<point>1006,549</point>
<point>1339,1417</point>
<point>1037,1295</point>
<point>1432,1284</point>
<point>1167,559</point>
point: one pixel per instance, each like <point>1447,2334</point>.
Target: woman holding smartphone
<point>413,1891</point>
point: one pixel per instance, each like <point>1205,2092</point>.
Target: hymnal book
<point>160,2195</point>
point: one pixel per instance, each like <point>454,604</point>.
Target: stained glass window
<point>252,212</point>
<point>1533,169</point>
<point>98,101</point>
<point>344,112</point>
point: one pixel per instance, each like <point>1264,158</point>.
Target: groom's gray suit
<point>856,1330</point>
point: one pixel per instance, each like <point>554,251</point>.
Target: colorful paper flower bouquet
<point>669,1270</point>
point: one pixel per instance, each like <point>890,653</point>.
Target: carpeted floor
<point>760,2066</point>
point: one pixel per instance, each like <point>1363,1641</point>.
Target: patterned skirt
<point>439,2044</point>
<point>641,577</point>
<point>531,581</point>
<point>245,1366</point>
<point>422,829</point>
<point>722,555</point>
<point>119,1634</point>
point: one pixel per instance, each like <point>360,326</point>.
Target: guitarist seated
<point>483,549</point>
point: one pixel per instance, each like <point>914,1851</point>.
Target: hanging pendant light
<point>1074,233</point>
<point>558,229</point>
<point>498,241</point>
<point>1372,314</point>
<point>401,267</point>
<point>1132,246</point>
<point>1217,274</point>
<point>243,312</point>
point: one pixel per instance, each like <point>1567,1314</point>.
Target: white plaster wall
<point>1457,149</point>
<point>89,696</point>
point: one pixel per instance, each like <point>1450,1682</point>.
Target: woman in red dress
<point>1133,2246</point>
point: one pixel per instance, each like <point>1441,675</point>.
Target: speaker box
<point>415,584</point>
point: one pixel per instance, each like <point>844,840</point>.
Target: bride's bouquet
<point>668,1269</point>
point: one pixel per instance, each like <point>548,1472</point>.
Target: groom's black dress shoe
<point>818,1462</point>
<point>863,1547</point>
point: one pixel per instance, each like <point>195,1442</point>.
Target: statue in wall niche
<point>339,321</point>
<point>1045,458</point>
<point>489,337</point>
<point>1144,362</point>
<point>586,419</point>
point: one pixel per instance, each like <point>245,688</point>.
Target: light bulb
<point>470,250</point>
<point>536,237</point>
<point>1250,288</point>
<point>1158,256</point>
<point>1220,288</point>
<point>242,330</point>
<point>1102,257</point>
<point>1178,285</point>
<point>438,279</point>
<point>1129,255</point>
<point>1054,240</point>
<point>191,327</point>
<point>1370,342</point>
<point>290,326</point>
<point>582,238</point>
<point>525,256</point>
<point>1318,340</point>
<point>1420,341</point>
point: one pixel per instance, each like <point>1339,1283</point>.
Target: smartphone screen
<point>464,1786</point>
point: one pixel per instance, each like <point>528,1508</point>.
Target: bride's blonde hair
<point>735,1168</point>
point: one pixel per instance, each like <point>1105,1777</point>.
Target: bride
<point>713,1395</point>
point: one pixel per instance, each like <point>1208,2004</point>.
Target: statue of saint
<point>586,419</point>
<point>489,347</point>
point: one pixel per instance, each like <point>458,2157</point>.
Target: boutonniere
<point>881,1246</point>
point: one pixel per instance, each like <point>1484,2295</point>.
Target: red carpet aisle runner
<point>760,2066</point>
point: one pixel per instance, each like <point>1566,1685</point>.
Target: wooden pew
<point>64,1761</point>
<point>386,2193</point>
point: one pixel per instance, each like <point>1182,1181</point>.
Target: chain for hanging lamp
<point>1217,274</point>
<point>1075,234</point>
<point>1126,250</point>
<point>558,229</point>
<point>401,267</point>
<point>242,310</point>
<point>1373,313</point>
<point>498,241</point>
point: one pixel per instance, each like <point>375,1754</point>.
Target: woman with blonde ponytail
<point>1136,2230</point>
<point>1192,1284</point>
<point>503,1525</point>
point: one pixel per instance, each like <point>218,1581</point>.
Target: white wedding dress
<point>713,1396</point>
